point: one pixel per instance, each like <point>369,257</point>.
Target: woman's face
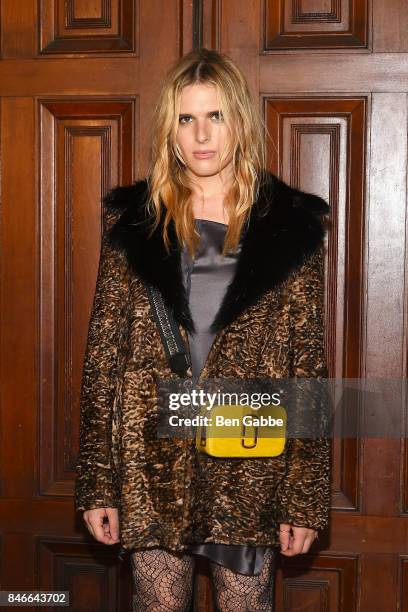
<point>201,129</point>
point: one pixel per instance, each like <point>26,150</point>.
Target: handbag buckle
<point>243,441</point>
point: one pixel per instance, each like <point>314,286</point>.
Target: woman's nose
<point>203,133</point>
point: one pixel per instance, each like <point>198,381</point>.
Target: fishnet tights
<point>240,593</point>
<point>163,582</point>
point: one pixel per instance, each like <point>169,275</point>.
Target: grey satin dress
<point>206,279</point>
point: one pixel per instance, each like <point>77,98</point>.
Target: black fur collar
<point>285,227</point>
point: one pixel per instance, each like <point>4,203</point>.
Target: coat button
<point>187,383</point>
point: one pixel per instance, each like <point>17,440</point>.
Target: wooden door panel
<point>326,582</point>
<point>88,571</point>
<point>68,26</point>
<point>86,147</point>
<point>315,24</point>
<point>313,143</point>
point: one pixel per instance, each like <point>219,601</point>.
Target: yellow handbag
<point>241,431</point>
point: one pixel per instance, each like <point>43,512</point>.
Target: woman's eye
<point>182,119</point>
<point>218,116</point>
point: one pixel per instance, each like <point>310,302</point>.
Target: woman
<point>237,256</point>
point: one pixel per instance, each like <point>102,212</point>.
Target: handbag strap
<point>171,337</point>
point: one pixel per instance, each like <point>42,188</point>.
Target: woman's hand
<point>105,532</point>
<point>295,540</point>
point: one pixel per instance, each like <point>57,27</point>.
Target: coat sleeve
<point>303,496</point>
<point>96,484</point>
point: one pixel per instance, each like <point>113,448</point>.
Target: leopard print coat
<point>269,325</point>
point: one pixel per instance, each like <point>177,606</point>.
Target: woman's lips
<point>204,155</point>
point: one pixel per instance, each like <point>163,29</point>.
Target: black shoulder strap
<point>169,331</point>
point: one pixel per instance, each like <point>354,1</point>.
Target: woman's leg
<point>235,592</point>
<point>162,581</point>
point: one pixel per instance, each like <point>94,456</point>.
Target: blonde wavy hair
<point>167,179</point>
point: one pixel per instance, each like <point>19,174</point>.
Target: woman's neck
<point>211,208</point>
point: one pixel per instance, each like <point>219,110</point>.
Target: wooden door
<point>78,81</point>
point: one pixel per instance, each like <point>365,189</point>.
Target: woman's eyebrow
<point>190,115</point>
